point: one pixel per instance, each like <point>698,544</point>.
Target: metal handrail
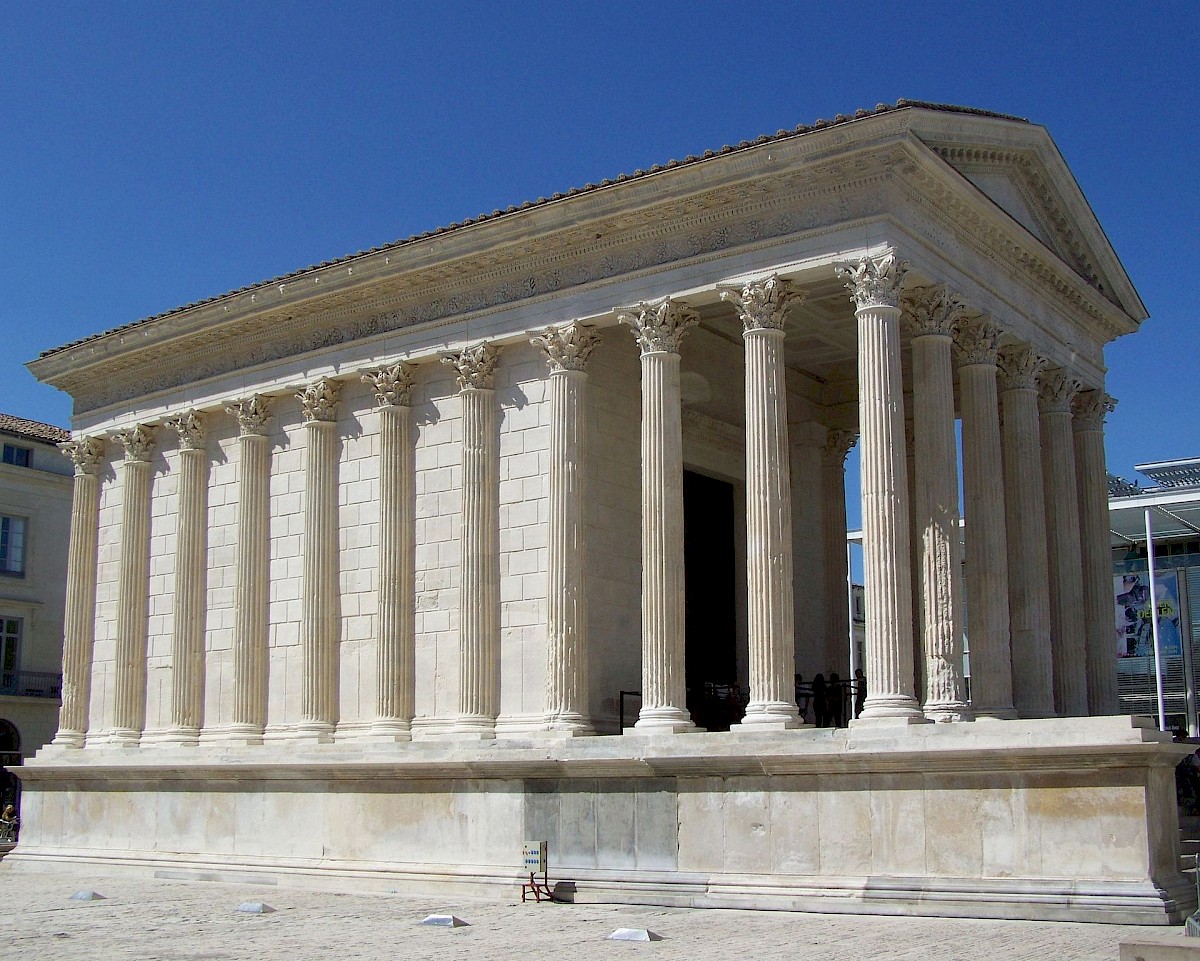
<point>31,684</point>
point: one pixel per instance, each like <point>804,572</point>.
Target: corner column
<point>762,306</point>
<point>191,580</point>
<point>931,314</point>
<point>251,592</point>
<point>1091,407</point>
<point>874,286</point>
<point>567,349</point>
<point>133,585</point>
<point>833,528</point>
<point>479,590</point>
<point>1025,512</point>
<point>79,634</point>
<point>1064,550</point>
<point>395,682</point>
<point>659,327</point>
<point>319,628</point>
<point>987,550</point>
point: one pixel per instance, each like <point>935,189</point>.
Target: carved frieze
<point>253,414</point>
<point>86,453</point>
<point>475,366</point>
<point>567,347</point>
<point>393,385</point>
<point>319,400</point>
<point>931,311</point>
<point>138,442</point>
<point>762,304</point>
<point>874,281</point>
<point>1019,367</point>
<point>659,325</point>
<point>192,429</point>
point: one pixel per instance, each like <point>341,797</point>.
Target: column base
<point>389,729</point>
<point>474,727</point>
<point>663,720</point>
<point>234,734</point>
<point>770,716</point>
<point>891,706</point>
<point>317,732</point>
<point>68,739</point>
<point>566,724</point>
<point>996,714</point>
<point>124,737</point>
<point>948,711</point>
<point>182,736</point>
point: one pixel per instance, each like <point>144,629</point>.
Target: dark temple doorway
<point>710,619</point>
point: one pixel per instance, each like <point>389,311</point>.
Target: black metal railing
<point>30,684</point>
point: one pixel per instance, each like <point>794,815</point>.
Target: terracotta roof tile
<point>32,430</point>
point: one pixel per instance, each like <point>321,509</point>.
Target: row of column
<point>1035,501</point>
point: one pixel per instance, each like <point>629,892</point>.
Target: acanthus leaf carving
<point>762,304</point>
<point>838,444</point>
<point>567,347</point>
<point>319,400</point>
<point>191,428</point>
<point>874,281</point>
<point>475,366</point>
<point>253,414</point>
<point>659,325</point>
<point>1019,366</point>
<point>977,341</point>
<point>138,442</point>
<point>931,311</point>
<point>1091,408</point>
<point>85,453</point>
<point>393,385</point>
<point>1057,389</point>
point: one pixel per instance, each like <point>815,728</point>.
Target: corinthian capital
<point>319,400</point>
<point>1057,390</point>
<point>659,325</point>
<point>837,445</point>
<point>567,347</point>
<point>874,281</point>
<point>138,442</point>
<point>393,385</point>
<point>931,311</point>
<point>1091,407</point>
<point>191,428</point>
<point>1020,365</point>
<point>763,304</point>
<point>85,453</point>
<point>977,341</point>
<point>475,366</point>
<point>252,415</point>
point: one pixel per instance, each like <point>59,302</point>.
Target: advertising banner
<point>1134,633</point>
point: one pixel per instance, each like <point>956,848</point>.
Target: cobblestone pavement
<point>152,920</point>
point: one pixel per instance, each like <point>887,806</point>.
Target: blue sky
<point>153,154</point>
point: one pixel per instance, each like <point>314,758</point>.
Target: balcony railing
<point>31,684</point>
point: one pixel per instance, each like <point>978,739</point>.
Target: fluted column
<point>874,285</point>
<point>251,592</point>
<point>1064,550</point>
<point>79,620</point>
<point>658,327</point>
<point>1025,512</point>
<point>395,681</point>
<point>931,314</point>
<point>983,497</point>
<point>319,629</point>
<point>191,580</point>
<point>567,349</point>
<point>133,585</point>
<point>833,552</point>
<point>479,591</point>
<point>771,623</point>
<point>1091,407</point>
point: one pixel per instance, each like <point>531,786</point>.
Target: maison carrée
<point>523,529</point>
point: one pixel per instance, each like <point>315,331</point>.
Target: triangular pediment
<point>1046,201</point>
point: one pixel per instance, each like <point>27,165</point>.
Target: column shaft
<point>191,586</point>
<point>939,582</point>
<point>397,573</point>
<point>319,632</point>
<point>987,551</point>
<point>133,587</point>
<point>1025,511</point>
<point>836,576</point>
<point>1064,550</point>
<point>79,619</point>
<point>1091,472</point>
<point>251,610</point>
<point>479,610</point>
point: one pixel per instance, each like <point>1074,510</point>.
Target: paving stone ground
<point>153,920</point>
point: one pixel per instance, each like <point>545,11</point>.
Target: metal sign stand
<point>535,858</point>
